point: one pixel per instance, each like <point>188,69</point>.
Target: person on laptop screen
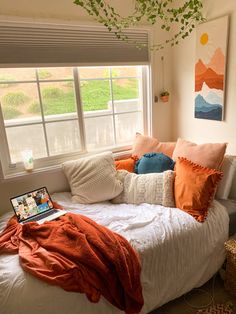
<point>35,203</point>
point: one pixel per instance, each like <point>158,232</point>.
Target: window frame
<point>10,170</point>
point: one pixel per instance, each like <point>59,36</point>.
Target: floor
<point>198,298</point>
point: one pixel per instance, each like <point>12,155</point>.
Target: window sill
<point>23,174</point>
<point>18,175</point>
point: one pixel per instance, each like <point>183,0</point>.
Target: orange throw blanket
<point>79,255</point>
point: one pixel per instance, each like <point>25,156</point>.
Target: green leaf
<point>152,17</point>
<point>188,13</point>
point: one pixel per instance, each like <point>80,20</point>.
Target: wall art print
<point>210,69</point>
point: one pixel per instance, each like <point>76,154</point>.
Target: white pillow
<point>93,179</point>
<point>152,188</point>
<point>228,168</point>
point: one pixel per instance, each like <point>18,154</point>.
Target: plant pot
<point>165,98</point>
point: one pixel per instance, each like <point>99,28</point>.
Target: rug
<point>217,309</point>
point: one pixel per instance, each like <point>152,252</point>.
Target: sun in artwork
<point>204,39</point>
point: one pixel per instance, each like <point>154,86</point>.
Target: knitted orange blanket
<point>79,255</point>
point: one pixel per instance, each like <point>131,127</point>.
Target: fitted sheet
<point>177,254</point>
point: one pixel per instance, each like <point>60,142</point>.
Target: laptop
<point>35,206</point>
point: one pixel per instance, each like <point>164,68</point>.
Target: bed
<point>177,254</point>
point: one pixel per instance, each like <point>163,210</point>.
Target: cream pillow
<point>152,188</point>
<point>93,179</point>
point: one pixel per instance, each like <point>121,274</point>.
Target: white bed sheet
<point>177,254</point>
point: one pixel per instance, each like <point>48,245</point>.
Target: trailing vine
<point>164,12</point>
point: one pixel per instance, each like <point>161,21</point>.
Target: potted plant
<point>164,96</point>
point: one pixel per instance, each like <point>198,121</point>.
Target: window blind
<point>25,44</point>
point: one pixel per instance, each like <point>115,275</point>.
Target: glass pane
<point>127,125</point>
<point>26,74</point>
<point>99,132</point>
<point>126,95</point>
<point>26,137</point>
<point>126,71</point>
<point>93,72</point>
<point>58,98</point>
<point>20,101</point>
<point>63,137</point>
<point>55,73</point>
<point>95,95</point>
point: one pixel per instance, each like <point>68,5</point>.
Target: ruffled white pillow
<point>151,188</point>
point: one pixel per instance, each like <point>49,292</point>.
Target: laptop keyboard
<point>53,211</point>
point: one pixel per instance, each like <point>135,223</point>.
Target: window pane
<point>93,72</point>
<point>26,74</point>
<point>26,137</point>
<point>58,98</point>
<point>20,101</point>
<point>55,73</point>
<point>99,132</point>
<point>126,71</point>
<point>95,95</point>
<point>63,137</point>
<point>127,125</point>
<point>102,89</point>
<point>126,95</point>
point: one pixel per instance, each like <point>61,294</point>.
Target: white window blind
<point>25,44</point>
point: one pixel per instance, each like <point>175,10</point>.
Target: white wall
<point>53,9</point>
<point>65,11</point>
<point>162,126</point>
<point>183,61</point>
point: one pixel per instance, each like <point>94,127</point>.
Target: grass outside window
<point>61,99</point>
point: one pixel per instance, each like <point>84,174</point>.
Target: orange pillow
<point>209,155</point>
<point>126,164</point>
<point>146,144</point>
<point>195,187</point>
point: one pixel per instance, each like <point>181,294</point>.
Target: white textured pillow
<point>93,179</point>
<point>152,188</point>
<point>228,168</point>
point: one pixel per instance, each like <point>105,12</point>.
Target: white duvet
<point>177,254</point>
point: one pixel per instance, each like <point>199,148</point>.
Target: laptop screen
<point>31,204</point>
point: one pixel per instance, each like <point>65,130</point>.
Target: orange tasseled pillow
<point>126,164</point>
<point>195,187</point>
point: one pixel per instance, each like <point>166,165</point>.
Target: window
<point>63,111</point>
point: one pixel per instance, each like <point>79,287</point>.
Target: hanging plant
<point>163,12</point>
<point>165,95</point>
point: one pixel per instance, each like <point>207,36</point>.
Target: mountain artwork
<point>210,68</point>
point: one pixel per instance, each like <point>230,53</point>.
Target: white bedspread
<point>177,254</point>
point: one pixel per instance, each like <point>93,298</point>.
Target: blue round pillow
<point>154,162</point>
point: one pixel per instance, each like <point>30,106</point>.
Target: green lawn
<point>64,103</point>
<point>95,96</point>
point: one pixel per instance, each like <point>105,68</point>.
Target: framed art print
<point>210,69</point>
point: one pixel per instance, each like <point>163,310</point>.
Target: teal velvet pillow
<point>154,162</point>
